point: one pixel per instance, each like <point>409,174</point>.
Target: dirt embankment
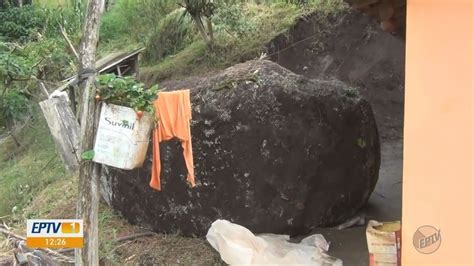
<point>350,47</point>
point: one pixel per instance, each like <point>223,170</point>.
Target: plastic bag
<point>238,246</point>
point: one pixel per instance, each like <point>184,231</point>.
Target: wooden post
<point>72,99</point>
<point>88,201</point>
<point>43,88</point>
<point>135,67</point>
<point>64,128</point>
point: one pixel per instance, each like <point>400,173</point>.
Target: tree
<point>15,71</point>
<point>199,9</point>
<point>88,201</point>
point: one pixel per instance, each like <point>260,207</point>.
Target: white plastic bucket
<point>122,139</point>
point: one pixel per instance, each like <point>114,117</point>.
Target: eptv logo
<point>53,228</point>
<point>427,239</point>
<point>56,233</point>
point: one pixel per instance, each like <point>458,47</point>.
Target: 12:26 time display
<point>55,241</point>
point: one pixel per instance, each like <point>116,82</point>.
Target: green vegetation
<point>21,24</point>
<point>201,11</point>
<point>131,22</point>
<point>175,47</point>
<point>31,49</point>
<point>126,91</point>
<point>231,19</point>
<point>28,169</point>
<point>171,35</point>
<point>239,37</point>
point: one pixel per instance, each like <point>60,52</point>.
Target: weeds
<point>171,35</point>
<point>237,44</point>
<point>28,169</point>
<point>242,31</point>
<point>132,20</point>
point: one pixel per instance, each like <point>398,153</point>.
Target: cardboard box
<point>384,243</point>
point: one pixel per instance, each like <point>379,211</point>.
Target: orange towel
<point>173,112</point>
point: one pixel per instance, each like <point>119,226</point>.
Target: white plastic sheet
<point>238,246</point>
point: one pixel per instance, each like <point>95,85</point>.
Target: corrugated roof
<point>107,62</point>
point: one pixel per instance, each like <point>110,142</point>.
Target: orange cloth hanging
<point>173,113</point>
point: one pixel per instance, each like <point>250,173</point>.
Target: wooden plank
<point>72,99</point>
<point>65,130</point>
<point>43,88</point>
<point>104,65</point>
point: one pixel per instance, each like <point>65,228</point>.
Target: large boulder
<point>273,151</point>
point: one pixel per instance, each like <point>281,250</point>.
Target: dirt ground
<point>353,49</point>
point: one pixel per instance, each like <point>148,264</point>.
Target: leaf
<point>361,143</point>
<point>87,155</point>
<point>127,91</point>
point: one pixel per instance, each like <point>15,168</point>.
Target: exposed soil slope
<point>353,49</point>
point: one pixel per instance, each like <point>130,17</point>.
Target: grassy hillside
<point>175,49</point>
<point>28,169</point>
<point>53,3</point>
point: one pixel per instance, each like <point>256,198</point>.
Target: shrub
<point>201,11</point>
<point>231,19</point>
<point>172,34</point>
<point>133,18</point>
<point>21,24</point>
<point>70,18</point>
<point>51,58</point>
<point>13,66</point>
<point>14,105</point>
<point>126,91</point>
<point>46,59</point>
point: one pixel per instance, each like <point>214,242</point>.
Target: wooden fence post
<point>88,201</point>
<point>64,128</point>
